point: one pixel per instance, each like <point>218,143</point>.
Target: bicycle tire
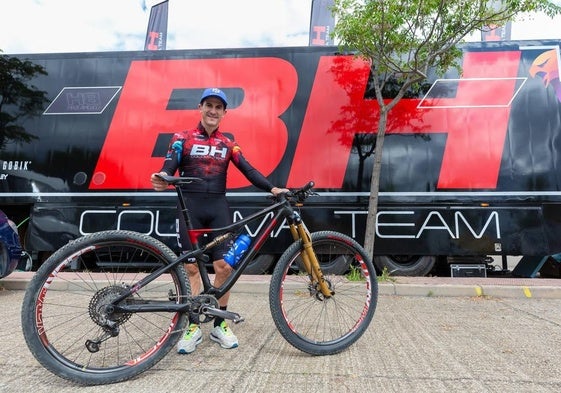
<point>317,325</point>
<point>63,308</point>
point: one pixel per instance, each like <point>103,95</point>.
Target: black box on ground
<point>478,270</point>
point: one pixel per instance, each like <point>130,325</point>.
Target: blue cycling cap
<point>214,92</point>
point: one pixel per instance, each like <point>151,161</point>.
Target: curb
<point>535,288</point>
<point>459,290</point>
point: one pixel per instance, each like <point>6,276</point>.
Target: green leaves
<point>414,35</point>
<point>18,99</point>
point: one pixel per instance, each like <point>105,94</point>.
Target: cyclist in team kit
<point>205,152</point>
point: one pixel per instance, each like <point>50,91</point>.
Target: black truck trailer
<point>471,166</point>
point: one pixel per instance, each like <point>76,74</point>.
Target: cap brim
<point>215,96</point>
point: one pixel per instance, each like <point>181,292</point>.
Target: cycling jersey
<point>196,154</point>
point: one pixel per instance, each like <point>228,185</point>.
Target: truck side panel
<point>469,165</point>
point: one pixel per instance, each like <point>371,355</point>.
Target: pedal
<point>216,312</point>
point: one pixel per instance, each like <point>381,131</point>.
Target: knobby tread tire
<point>308,321</point>
<point>74,282</point>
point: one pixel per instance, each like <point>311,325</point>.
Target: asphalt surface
<point>429,334</point>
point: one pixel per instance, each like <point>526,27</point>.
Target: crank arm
<point>216,312</point>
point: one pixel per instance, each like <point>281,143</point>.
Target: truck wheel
<point>260,264</point>
<point>338,265</point>
<point>405,265</point>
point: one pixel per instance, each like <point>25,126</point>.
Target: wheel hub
<point>98,307</point>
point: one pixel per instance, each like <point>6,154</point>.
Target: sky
<point>50,26</point>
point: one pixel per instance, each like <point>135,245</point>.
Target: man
<point>205,152</point>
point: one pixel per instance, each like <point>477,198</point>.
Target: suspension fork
<point>311,263</point>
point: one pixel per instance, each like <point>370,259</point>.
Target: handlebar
<point>173,180</point>
<point>299,194</point>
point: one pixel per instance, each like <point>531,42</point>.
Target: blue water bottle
<point>238,249</point>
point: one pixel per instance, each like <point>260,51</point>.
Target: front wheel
<point>66,317</point>
<point>309,321</point>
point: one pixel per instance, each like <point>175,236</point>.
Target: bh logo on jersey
<point>212,151</point>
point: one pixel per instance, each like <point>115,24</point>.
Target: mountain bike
<point>111,304</point>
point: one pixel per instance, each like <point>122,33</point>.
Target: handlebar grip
<point>308,186</point>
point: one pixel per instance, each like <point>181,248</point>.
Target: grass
<point>355,274</point>
<point>385,276</point>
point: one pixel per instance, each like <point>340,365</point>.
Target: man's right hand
<point>157,182</point>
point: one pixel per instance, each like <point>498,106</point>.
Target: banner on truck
<point>322,23</point>
<point>156,34</point>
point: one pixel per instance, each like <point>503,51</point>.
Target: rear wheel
<point>68,327</point>
<point>314,323</point>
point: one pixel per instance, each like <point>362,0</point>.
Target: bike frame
<point>280,209</point>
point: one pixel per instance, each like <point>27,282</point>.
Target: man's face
<point>212,112</point>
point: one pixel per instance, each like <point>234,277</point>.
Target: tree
<point>18,99</point>
<point>404,40</point>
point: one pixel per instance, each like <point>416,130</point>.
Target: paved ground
<point>428,335</point>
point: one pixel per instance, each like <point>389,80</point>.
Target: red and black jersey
<point>196,154</point>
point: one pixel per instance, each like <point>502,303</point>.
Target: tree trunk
<point>370,233</point>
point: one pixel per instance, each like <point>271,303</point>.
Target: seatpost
<point>183,206</point>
